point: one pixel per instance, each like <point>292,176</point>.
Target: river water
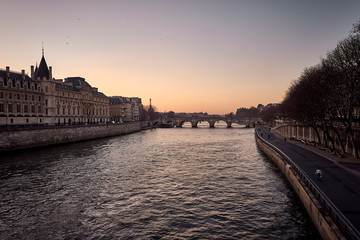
<point>154,184</point>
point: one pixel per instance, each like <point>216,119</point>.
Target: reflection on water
<point>219,124</point>
<point>164,183</point>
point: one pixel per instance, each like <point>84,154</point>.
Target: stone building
<point>43,100</point>
<point>124,109</point>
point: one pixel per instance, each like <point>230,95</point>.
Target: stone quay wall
<point>36,137</point>
<point>324,224</point>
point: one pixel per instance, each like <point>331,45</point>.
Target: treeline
<point>326,97</point>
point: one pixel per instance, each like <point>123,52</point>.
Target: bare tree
<point>344,61</point>
<point>325,96</point>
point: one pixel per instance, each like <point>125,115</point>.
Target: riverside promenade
<point>341,176</point>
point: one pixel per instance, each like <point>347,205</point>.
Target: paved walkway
<point>341,176</point>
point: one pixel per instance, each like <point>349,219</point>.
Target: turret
<point>32,72</point>
<point>50,72</point>
<point>8,71</point>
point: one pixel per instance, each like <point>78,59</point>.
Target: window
<point>10,108</point>
<point>46,102</point>
<point>25,108</point>
<point>26,97</point>
<point>1,95</point>
<point>39,98</point>
<point>46,88</point>
<point>32,98</point>
<point>1,107</point>
<point>32,109</point>
<point>18,108</point>
<point>10,95</point>
<point>39,109</point>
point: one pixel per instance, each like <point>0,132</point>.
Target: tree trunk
<point>317,134</point>
<point>353,143</point>
<point>337,134</point>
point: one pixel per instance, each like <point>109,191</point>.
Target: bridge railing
<point>344,225</point>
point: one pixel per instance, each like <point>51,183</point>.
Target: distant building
<point>42,99</point>
<point>260,107</point>
<point>124,109</point>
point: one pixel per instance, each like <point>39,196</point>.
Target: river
<point>155,184</point>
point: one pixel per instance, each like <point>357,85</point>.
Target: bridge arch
<point>221,123</point>
<point>203,123</point>
<point>185,122</point>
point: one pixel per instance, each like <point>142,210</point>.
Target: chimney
<point>50,72</point>
<point>8,71</point>
<point>32,72</point>
<point>23,74</point>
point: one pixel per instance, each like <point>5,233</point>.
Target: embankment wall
<point>324,224</point>
<point>27,138</point>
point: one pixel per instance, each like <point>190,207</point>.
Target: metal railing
<point>328,207</point>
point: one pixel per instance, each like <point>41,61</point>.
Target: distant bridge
<point>194,120</point>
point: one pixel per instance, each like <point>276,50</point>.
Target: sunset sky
<point>186,55</point>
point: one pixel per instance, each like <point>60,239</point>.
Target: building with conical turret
<point>43,100</point>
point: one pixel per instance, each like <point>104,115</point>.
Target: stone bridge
<point>194,120</point>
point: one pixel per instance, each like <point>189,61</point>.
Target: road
<point>340,181</point>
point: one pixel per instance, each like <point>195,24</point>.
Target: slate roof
<point>115,100</point>
<point>99,94</point>
<point>66,87</point>
<point>14,76</point>
<point>76,82</point>
<point>43,70</point>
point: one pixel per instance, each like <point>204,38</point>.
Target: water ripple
<point>163,184</point>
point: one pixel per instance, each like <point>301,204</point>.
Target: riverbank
<point>324,224</point>
<point>38,137</point>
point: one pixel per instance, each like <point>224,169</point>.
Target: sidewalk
<point>341,176</point>
<point>347,162</point>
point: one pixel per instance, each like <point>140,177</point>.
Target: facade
<point>124,109</point>
<point>43,100</point>
<point>76,102</point>
<point>21,99</point>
